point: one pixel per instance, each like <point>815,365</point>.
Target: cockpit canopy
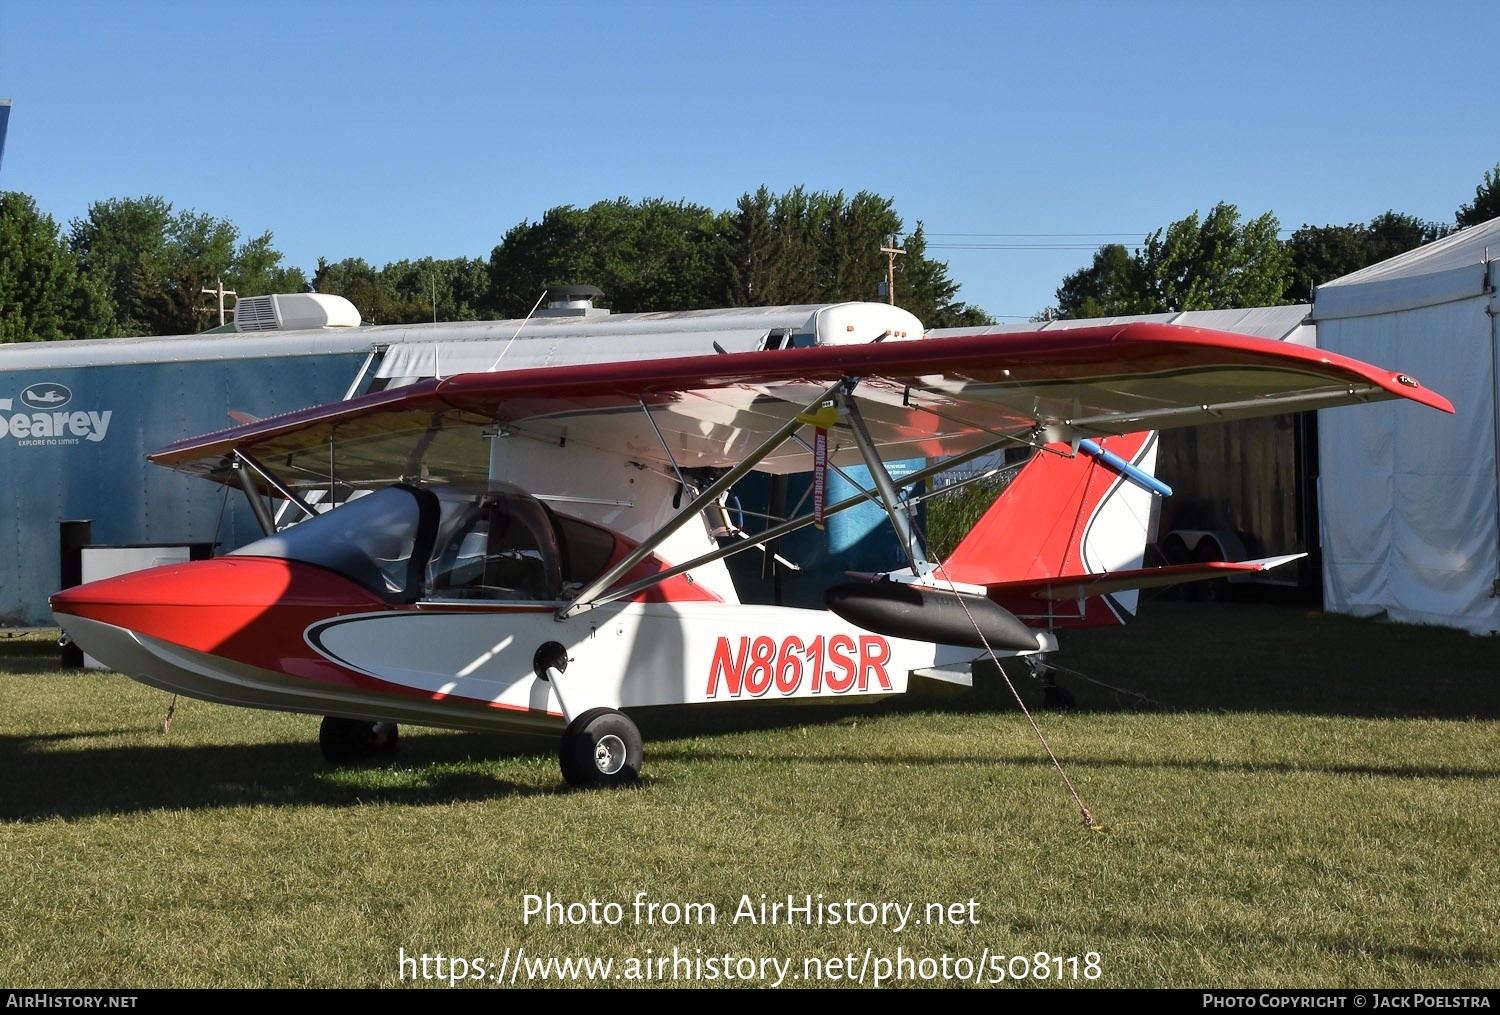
<point>500,545</point>
<point>406,542</point>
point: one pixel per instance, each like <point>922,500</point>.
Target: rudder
<point>1066,513</point>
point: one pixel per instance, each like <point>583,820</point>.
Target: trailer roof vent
<point>294,312</point>
<point>573,301</point>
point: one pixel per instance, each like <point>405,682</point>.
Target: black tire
<point>1057,697</point>
<point>601,747</point>
<point>1212,590</point>
<point>355,741</point>
<point>1174,550</point>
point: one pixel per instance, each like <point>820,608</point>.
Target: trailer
<point>78,418</point>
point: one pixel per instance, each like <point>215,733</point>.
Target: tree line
<point>1218,262</point>
<point>134,266</point>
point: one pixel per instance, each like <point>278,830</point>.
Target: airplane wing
<point>920,398</point>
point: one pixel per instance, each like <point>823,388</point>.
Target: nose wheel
<point>601,747</point>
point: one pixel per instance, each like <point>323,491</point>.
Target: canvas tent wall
<point>1410,500</point>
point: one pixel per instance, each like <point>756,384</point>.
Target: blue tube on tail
<point>1124,468</point>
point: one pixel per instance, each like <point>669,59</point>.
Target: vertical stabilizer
<point>1068,513</point>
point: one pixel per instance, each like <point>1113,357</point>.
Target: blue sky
<point>1035,130</point>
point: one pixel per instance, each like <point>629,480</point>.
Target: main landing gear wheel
<point>1054,695</point>
<point>352,741</point>
<point>1057,696</point>
<point>601,747</point>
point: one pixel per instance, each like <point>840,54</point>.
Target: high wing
<point>921,398</point>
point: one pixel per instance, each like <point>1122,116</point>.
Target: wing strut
<point>592,596</point>
<point>243,465</point>
<point>269,478</point>
<point>890,499</point>
<point>657,430</point>
<point>793,524</point>
<point>257,505</point>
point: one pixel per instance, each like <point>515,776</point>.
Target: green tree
<point>849,234</point>
<point>654,256</point>
<point>1215,263</point>
<point>531,257</point>
<point>44,296</point>
<point>799,247</point>
<point>657,255</point>
<point>366,287</point>
<point>1393,233</point>
<point>410,292</point>
<point>1486,203</point>
<point>256,270</point>
<point>802,247</point>
<point>1320,254</point>
<point>1209,263</point>
<point>198,252</point>
<point>768,255</point>
<point>122,245</point>
<point>155,263</point>
<point>772,250</point>
<point>1114,285</point>
<point>437,290</point>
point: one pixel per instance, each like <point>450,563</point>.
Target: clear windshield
<point>370,540</point>
<point>402,542</point>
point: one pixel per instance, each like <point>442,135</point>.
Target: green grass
<point>1279,800</point>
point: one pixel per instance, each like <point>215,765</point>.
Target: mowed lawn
<point>1278,799</point>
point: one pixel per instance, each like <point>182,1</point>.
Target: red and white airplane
<point>543,549</point>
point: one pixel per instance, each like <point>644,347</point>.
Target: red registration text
<point>825,664</point>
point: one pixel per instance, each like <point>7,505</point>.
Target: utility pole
<point>890,253</point>
<point>220,292</point>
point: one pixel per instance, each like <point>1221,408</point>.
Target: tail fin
<point>1065,515</point>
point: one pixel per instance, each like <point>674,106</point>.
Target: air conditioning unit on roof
<point>294,312</point>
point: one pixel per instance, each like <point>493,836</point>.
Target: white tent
<point>1410,499</point>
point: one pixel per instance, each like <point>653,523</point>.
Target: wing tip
<point>1408,386</point>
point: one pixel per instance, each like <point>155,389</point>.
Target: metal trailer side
<point>74,436</point>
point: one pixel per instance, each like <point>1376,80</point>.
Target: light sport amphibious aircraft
<point>542,549</point>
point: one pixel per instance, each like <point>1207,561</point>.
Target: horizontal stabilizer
<point>1068,587</point>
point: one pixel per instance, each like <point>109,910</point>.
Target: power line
<point>1142,232</point>
<point>1049,241</point>
<point>1014,246</point>
<point>1031,241</point>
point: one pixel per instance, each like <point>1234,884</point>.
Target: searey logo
<point>46,395</point>
<point>51,424</point>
